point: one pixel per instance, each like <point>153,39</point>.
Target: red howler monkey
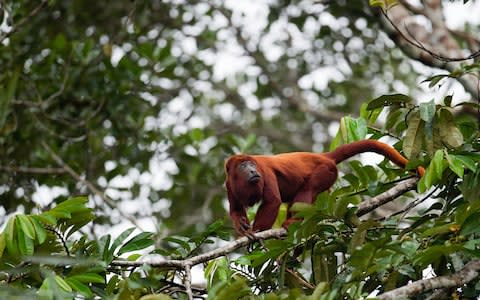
<point>288,177</point>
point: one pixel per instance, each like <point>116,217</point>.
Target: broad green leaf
<point>455,165</point>
<point>394,117</point>
<point>414,136</point>
<point>79,287</point>
<point>60,213</point>
<point>353,129</point>
<point>442,229</point>
<point>103,247</point>
<point>471,225</point>
<point>448,130</point>
<point>25,244</point>
<point>467,161</point>
<point>73,204</point>
<point>141,241</point>
<point>11,237</point>
<point>434,253</point>
<point>179,240</point>
<point>88,278</point>
<point>121,238</point>
<point>387,100</point>
<point>470,187</point>
<point>46,218</point>
<point>40,231</point>
<point>27,226</point>
<point>427,111</point>
<point>62,284</point>
<point>369,115</point>
<point>437,164</point>
<point>2,243</point>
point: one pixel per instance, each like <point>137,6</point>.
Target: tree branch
<point>387,196</point>
<point>469,272</point>
<point>88,184</point>
<point>33,170</point>
<point>23,21</point>
<point>439,39</point>
<point>160,262</point>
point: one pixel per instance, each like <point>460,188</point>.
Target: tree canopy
<point>116,119</point>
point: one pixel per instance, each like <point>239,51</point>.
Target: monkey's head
<point>242,169</point>
<point>244,179</point>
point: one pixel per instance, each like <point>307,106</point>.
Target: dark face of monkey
<point>248,171</point>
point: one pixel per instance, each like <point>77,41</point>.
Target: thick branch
<point>201,258</point>
<point>469,272</point>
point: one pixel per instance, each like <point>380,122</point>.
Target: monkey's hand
<point>244,229</point>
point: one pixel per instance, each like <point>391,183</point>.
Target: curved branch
<point>468,273</point>
<point>201,258</point>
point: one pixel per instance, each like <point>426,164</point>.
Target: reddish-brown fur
<point>289,178</point>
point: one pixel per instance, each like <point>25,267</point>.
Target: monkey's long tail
<point>346,151</point>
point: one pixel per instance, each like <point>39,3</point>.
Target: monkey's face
<point>242,170</point>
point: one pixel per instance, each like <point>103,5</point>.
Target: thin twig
<point>24,20</point>
<point>415,43</point>
<point>88,184</point>
<point>387,196</point>
<point>32,170</point>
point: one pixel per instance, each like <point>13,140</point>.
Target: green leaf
<point>449,132</point>
<point>121,238</point>
<point>141,241</point>
<point>353,129</point>
<point>88,278</point>
<point>25,244</point>
<point>197,135</point>
<point>455,165</point>
<point>467,161</point>
<point>427,111</point>
<point>40,231</point>
<point>79,287</point>
<point>388,100</point>
<point>11,237</point>
<point>437,164</point>
<point>414,136</point>
<point>27,226</point>
<point>62,284</point>
<point>435,79</point>
<point>112,285</point>
<point>434,253</point>
<point>103,248</point>
<point>46,218</point>
<point>471,225</point>
<point>59,213</point>
<point>2,243</point>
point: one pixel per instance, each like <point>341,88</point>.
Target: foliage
<point>133,104</point>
